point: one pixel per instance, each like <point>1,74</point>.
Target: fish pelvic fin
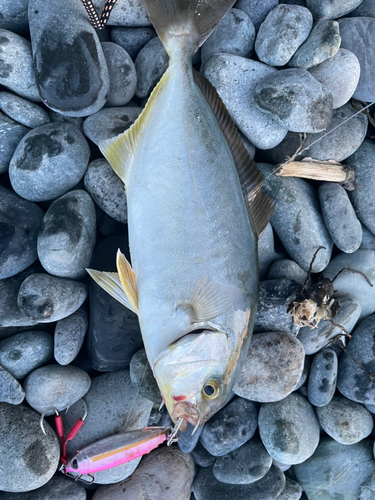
<point>260,206</point>
<point>189,22</point>
<point>128,280</point>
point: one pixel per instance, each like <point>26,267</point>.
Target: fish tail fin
<point>186,22</point>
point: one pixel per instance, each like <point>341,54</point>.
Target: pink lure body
<point>116,450</point>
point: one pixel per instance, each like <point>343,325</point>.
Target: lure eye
<point>211,390</point>
<point>75,464</point>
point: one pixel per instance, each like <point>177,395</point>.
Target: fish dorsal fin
<point>259,206</point>
<point>119,151</point>
<point>211,299</point>
<point>127,278</point>
<point>111,283</point>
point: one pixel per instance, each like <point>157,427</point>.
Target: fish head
<point>194,376</point>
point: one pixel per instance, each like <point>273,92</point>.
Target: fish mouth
<point>188,411</point>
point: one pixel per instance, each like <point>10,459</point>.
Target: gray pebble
<point>300,101</point>
<point>55,386</point>
<point>122,74</point>
<point>352,381</point>
<point>69,336</point>
<point>109,122</point>
<point>323,377</point>
<point>31,457</point>
<point>353,32</point>
<point>106,189</point>
<point>336,470</point>
<point>20,221</point>
<point>285,28</point>
<point>367,488</point>
<point>235,34</point>
<point>202,457</point>
<point>46,298</point>
<point>257,10</point>
<point>23,111</point>
<point>266,251</point>
<point>126,13</point>
<point>340,75</point>
<point>247,464</point>
<point>322,43</point>
<point>297,219</point>
<point>281,466</point>
<point>142,377</point>
<point>230,427</point>
<point>114,405</point>
<point>59,487</point>
<point>340,218</point>
<point>207,487</point>
<point>366,8</point>
<point>151,62</point>
<point>10,389</point>
<point>58,117</point>
<point>17,72</point>
<point>132,39</point>
<point>272,368</point>
<point>287,269</point>
<point>289,429</point>
<point>314,339</point>
<point>292,490</point>
<point>305,373</point>
<point>187,440</point>
<point>323,9</point>
<point>351,284</point>
<point>166,474</point>
<point>368,239</point>
<point>24,352</point>
<point>66,239</point>
<point>11,133</point>
<point>345,421</point>
<point>274,299</point>
<point>235,79</point>
<point>14,16</point>
<point>49,161</point>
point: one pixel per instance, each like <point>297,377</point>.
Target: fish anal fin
<point>128,280</point>
<point>259,206</point>
<point>111,283</point>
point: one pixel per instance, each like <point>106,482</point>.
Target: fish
<point>195,212</point>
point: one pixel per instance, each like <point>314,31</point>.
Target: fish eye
<point>75,464</point>
<point>211,389</point>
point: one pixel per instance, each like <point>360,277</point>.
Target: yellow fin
<point>111,283</point>
<point>128,281</point>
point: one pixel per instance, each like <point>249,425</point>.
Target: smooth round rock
<point>235,79</point>
<point>287,269</point>
<point>257,10</point>
<point>230,427</point>
<point>122,74</point>
<point>266,251</point>
<point>300,101</point>
<point>340,75</point>
<point>322,378</point>
<point>352,381</point>
<point>207,487</point>
<point>106,189</point>
<point>367,488</point>
<point>321,9</point>
<point>289,429</point>
<point>11,133</point>
<point>353,31</point>
<point>109,122</point>
<point>69,336</point>
<point>345,421</point>
<point>336,470</point>
<point>59,487</point>
<point>10,389</point>
<point>14,16</point>
<point>67,235</point>
<point>46,298</point>
<point>75,83</point>
<point>187,440</point>
<point>114,405</point>
<point>166,473</point>
<point>150,64</point>
<point>20,221</point>
<point>339,216</point>
<point>292,490</point>
<point>272,368</point>
<point>17,71</point>
<point>202,457</point>
<point>366,9</point>
<point>368,239</point>
<point>142,377</point>
<point>132,39</point>
<point>23,111</point>
<point>31,457</point>
<point>49,161</point>
<point>126,13</point>
<point>314,339</point>
<point>247,464</point>
<point>55,386</point>
<point>24,352</point>
<point>235,34</point>
<point>297,219</point>
<point>322,43</point>
<point>305,374</point>
<point>285,28</point>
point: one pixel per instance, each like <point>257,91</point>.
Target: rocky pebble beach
<point>294,76</point>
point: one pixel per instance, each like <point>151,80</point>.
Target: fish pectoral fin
<point>212,298</point>
<point>111,283</point>
<point>128,280</point>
